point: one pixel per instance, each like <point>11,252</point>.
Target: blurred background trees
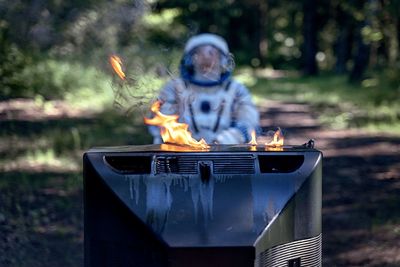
<point>40,41</point>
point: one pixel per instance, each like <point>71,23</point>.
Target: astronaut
<point>216,107</point>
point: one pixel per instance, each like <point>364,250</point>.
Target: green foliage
<point>56,79</point>
<point>50,79</point>
<point>12,63</point>
<point>158,27</point>
<point>392,77</point>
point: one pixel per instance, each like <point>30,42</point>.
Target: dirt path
<point>361,189</point>
<point>361,186</point>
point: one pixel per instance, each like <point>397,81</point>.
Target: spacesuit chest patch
<point>205,106</point>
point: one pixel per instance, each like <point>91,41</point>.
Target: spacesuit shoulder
<point>170,90</point>
<point>240,90</point>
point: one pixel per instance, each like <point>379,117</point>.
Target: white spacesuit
<point>216,108</point>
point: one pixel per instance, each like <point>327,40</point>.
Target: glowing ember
<point>173,131</point>
<point>277,140</point>
<point>116,64</point>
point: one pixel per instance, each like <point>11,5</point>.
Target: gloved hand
<point>230,136</point>
<point>157,140</point>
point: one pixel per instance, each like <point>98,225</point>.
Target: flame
<point>173,131</point>
<point>253,141</point>
<point>274,148</point>
<point>116,64</point>
<point>179,148</point>
<point>277,141</point>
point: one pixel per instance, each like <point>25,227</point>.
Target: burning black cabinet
<point>228,206</point>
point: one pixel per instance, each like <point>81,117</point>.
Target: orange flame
<point>116,64</point>
<point>180,148</point>
<point>173,131</point>
<point>253,141</point>
<point>277,140</point>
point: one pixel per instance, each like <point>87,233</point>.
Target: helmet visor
<point>207,60</point>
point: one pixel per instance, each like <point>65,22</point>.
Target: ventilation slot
<point>130,164</point>
<point>167,165</point>
<point>280,163</point>
<point>234,166</point>
<point>222,164</point>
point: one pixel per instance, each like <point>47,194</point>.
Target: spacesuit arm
<point>245,114</point>
<point>245,118</point>
<point>169,99</point>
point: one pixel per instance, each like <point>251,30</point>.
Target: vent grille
<point>224,164</point>
<point>308,250</point>
<point>130,164</point>
<point>280,163</point>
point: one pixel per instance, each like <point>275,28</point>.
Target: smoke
<point>147,69</point>
<point>135,93</point>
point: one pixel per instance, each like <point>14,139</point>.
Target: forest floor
<point>361,186</point>
<point>41,204</point>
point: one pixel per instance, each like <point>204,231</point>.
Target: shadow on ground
<point>41,219</point>
<point>41,208</point>
<point>361,187</point>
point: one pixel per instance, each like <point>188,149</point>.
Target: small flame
<point>173,131</point>
<point>277,140</point>
<point>253,141</point>
<point>116,64</point>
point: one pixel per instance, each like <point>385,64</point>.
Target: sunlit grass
<point>47,157</point>
<point>373,105</point>
<point>60,145</point>
<point>41,160</point>
<point>393,128</point>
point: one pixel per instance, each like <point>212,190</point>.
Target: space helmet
<point>187,68</point>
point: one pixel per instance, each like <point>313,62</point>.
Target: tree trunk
<point>310,37</point>
<point>398,37</point>
<point>344,40</point>
<point>361,58</point>
<point>262,44</point>
<point>363,51</point>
